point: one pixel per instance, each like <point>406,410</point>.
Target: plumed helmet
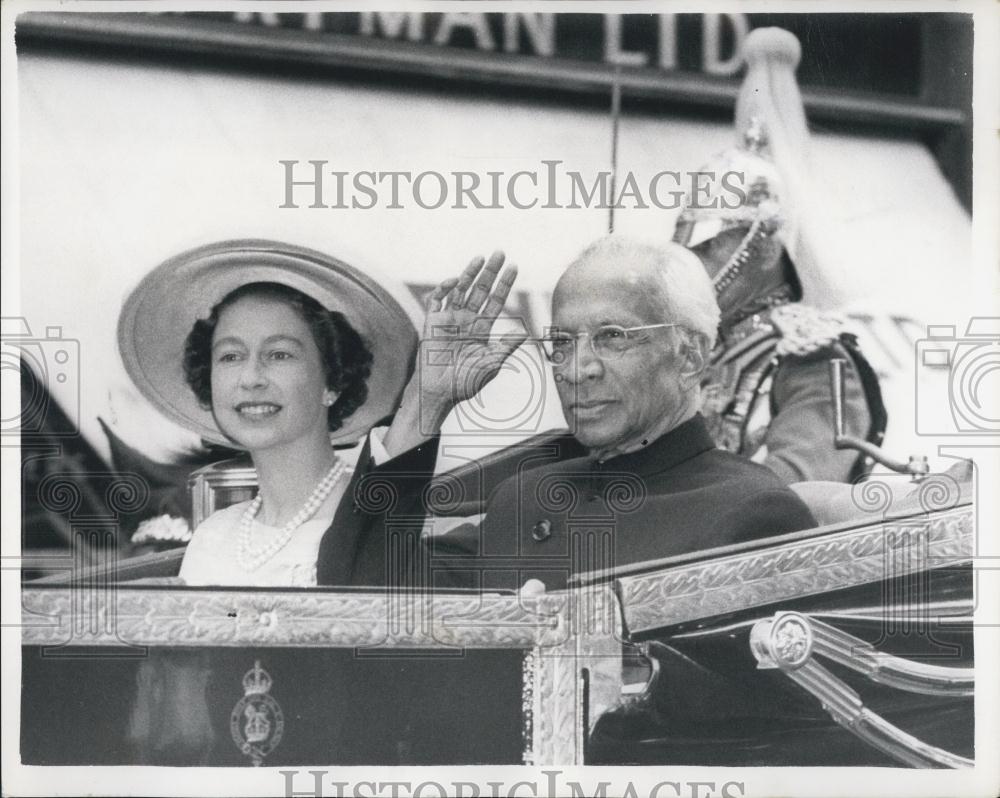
<point>771,162</point>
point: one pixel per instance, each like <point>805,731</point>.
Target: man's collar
<point>672,448</point>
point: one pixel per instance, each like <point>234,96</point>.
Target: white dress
<point>211,559</point>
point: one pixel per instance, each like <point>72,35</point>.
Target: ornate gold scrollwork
<point>790,641</point>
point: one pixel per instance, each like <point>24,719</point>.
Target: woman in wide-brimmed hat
<point>285,352</point>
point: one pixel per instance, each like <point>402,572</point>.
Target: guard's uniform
<point>767,392</point>
<point>768,396</point>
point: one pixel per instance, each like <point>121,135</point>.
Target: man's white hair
<point>685,290</point>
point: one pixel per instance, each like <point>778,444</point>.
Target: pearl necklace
<point>251,559</point>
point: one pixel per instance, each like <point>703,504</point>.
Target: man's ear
<point>695,354</point>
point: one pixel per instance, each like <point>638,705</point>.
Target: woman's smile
<point>257,410</point>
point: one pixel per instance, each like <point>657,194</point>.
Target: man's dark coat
<point>677,495</point>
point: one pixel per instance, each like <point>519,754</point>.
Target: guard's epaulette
<point>804,329</point>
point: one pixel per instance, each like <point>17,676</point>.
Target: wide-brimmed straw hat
<point>160,312</point>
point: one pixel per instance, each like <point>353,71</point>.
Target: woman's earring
<point>328,399</point>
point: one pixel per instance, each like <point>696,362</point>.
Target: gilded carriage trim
<point>528,707</point>
<point>562,634</point>
<point>188,617</point>
<point>565,707</point>
<point>555,708</point>
<point>793,570</point>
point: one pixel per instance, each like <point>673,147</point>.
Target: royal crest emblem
<point>256,722</point>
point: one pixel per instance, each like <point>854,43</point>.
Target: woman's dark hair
<point>346,359</point>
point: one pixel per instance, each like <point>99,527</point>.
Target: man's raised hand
<point>459,354</point>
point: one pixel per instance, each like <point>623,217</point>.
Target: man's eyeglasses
<point>608,342</point>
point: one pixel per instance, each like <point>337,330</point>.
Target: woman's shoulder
<point>223,524</point>
<point>212,545</point>
<point>225,516</point>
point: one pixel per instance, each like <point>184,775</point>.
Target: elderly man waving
<point>633,324</point>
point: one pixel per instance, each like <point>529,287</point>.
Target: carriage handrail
<point>915,677</point>
<point>916,466</point>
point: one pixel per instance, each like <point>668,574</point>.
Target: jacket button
<point>542,530</point>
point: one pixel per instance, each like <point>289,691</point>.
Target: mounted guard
<point>767,394</point>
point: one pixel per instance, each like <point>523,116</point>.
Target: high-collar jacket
<point>677,495</point>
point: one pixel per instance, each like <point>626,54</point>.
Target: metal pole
<point>616,107</point>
